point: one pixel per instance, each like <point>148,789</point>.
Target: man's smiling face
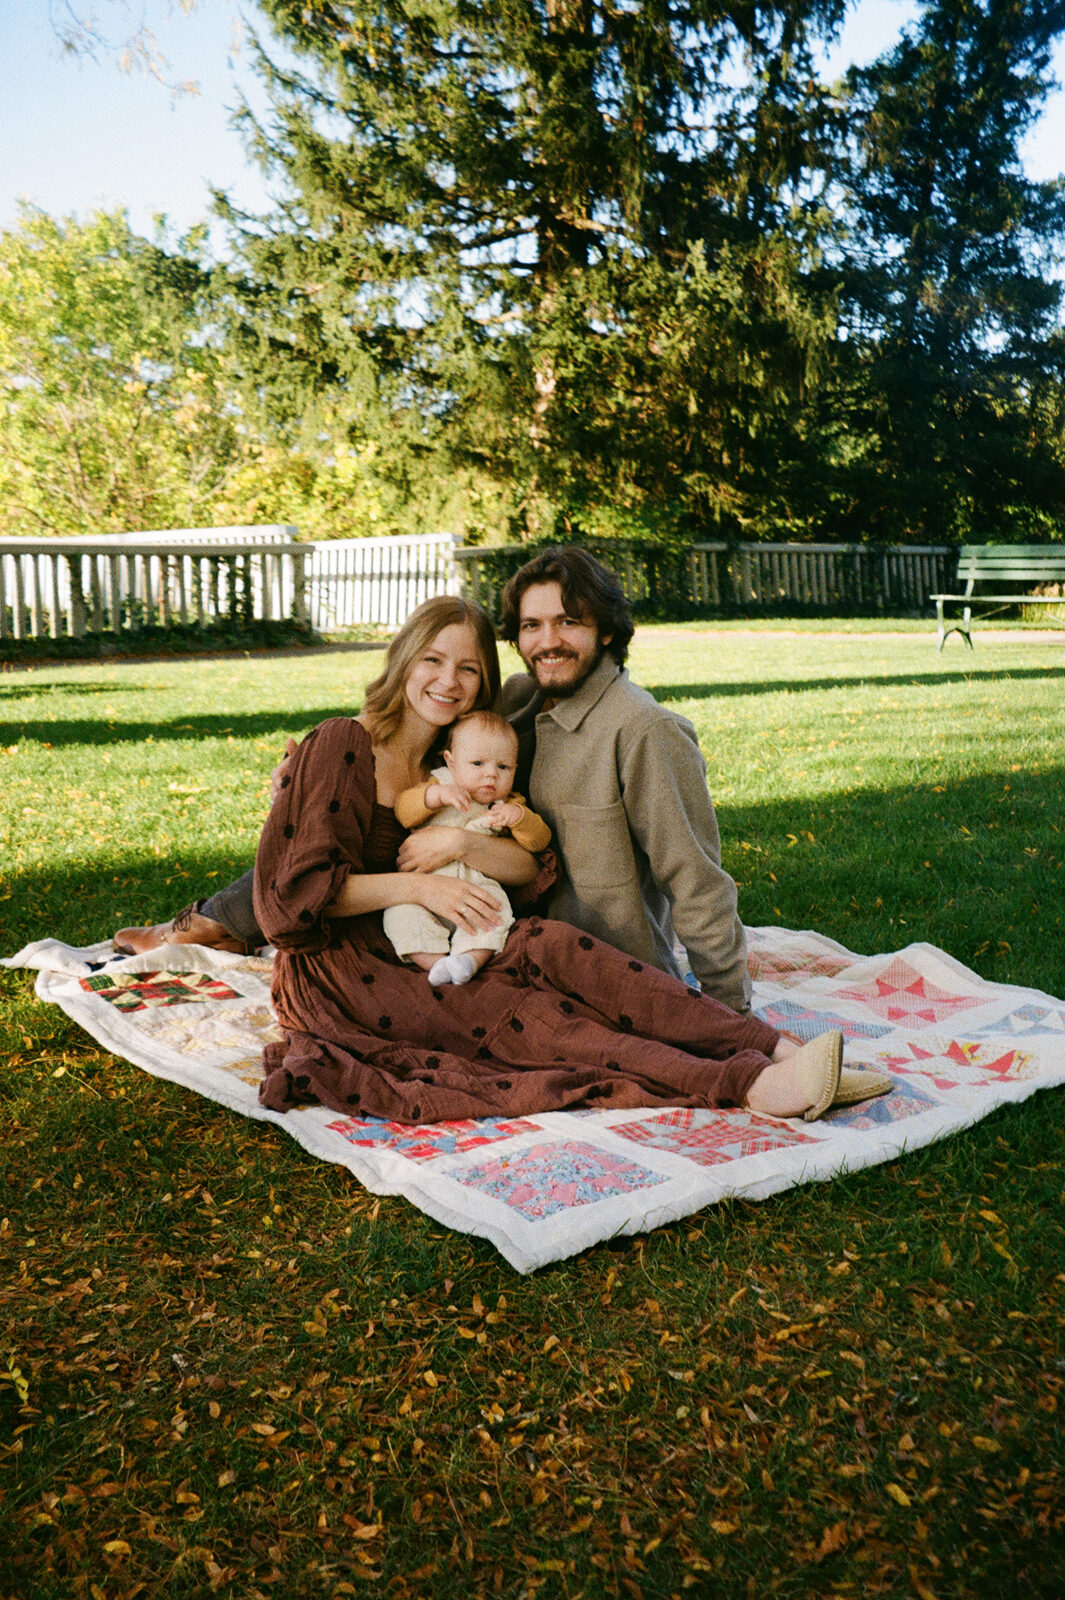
<point>559,649</point>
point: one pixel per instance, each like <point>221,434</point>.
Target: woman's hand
<point>428,848</point>
<point>466,904</point>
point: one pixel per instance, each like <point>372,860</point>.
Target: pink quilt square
<point>796,965</point>
<point>711,1137</point>
<point>959,1063</point>
<point>902,994</point>
<point>425,1142</point>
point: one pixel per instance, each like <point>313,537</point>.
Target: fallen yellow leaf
<point>361,1530</point>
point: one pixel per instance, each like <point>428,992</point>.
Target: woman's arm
<point>502,859</point>
<point>466,904</point>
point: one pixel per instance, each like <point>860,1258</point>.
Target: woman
<point>557,1020</point>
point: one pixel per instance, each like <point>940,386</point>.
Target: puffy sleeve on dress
<point>314,834</point>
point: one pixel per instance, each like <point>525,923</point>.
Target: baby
<point>472,791</point>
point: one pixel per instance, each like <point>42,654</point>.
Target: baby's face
<point>482,762</point>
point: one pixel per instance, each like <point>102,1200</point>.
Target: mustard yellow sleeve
<point>532,831</point>
<point>411,809</point>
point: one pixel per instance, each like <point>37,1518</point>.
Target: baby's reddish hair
<point>489,721</point>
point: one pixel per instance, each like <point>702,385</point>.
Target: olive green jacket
<point>621,783</point>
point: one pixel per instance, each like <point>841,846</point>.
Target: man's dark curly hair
<point>587,589</point>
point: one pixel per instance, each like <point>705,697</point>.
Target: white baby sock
<point>452,969</point>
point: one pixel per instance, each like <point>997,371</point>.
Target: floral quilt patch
<point>549,1178</point>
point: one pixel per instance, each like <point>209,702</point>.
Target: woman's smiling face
<point>445,680</point>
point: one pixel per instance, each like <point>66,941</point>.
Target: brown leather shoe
<point>188,927</point>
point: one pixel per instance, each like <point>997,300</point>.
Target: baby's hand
<point>438,795</point>
<point>504,814</point>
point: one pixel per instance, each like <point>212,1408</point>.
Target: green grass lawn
<point>227,1370</point>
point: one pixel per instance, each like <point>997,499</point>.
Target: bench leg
<point>943,632</point>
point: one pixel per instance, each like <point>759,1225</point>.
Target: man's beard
<point>565,691</point>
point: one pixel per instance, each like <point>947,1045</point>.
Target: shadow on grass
<point>242,725</point>
<point>29,688</point>
<point>975,869</point>
<point>83,903</point>
<point>186,729</point>
<point>665,692</point>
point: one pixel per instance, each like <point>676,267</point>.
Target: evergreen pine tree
<point>952,300</point>
<point>569,234</point>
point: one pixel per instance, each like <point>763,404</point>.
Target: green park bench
<point>1017,568</point>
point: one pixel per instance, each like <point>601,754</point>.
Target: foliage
<point>572,269</point>
<point>325,486</point>
<point>953,390</point>
<point>114,415</point>
<point>84,31</point>
<point>571,235</point>
<point>122,406</point>
<point>685,414</point>
<point>227,1369</point>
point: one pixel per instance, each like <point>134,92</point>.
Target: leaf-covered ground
<point>226,1369</point>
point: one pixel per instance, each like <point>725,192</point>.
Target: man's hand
<point>439,795</point>
<point>291,746</point>
<point>428,848</point>
<point>504,814</point>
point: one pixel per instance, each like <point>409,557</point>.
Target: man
<point>618,778</point>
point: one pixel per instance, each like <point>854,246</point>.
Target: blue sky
<point>77,134</point>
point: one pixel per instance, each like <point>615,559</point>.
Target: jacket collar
<point>571,712</point>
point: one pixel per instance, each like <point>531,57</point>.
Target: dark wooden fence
<point>743,578</point>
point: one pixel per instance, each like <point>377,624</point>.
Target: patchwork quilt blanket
<point>541,1188</point>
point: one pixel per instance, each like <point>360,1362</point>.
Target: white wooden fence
<point>52,587</point>
<point>377,580</point>
<point>56,587</point>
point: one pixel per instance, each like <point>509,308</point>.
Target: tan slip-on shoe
<point>857,1084</point>
<point>818,1066</point>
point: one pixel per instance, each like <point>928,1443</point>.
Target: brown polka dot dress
<point>556,1021</point>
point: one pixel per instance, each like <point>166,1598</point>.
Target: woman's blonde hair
<point>385,697</point>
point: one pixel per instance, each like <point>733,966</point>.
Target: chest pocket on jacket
<point>595,845</point>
